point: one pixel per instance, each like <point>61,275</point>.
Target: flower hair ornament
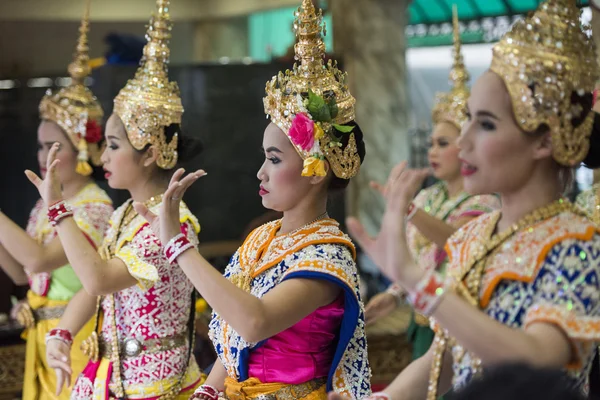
<point>75,109</point>
<point>311,103</point>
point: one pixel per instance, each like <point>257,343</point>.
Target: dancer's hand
<point>410,190</point>
<point>389,249</point>
<point>166,225</point>
<point>49,187</point>
<point>58,356</point>
<point>380,306</point>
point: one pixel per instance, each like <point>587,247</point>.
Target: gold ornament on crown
<point>546,62</point>
<point>312,80</point>
<point>452,106</point>
<point>150,102</point>
<point>75,109</point>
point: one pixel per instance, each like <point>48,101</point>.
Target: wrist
<point>176,247</point>
<point>411,211</point>
<point>59,211</point>
<point>62,335</point>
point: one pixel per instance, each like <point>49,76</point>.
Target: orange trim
<point>295,249</point>
<point>491,286</point>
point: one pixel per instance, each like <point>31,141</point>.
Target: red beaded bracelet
<point>428,293</point>
<point>176,247</point>
<point>379,396</point>
<point>60,334</point>
<point>58,211</point>
<point>206,391</point>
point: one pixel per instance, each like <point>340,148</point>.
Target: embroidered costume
<point>589,201</point>
<point>545,268</point>
<point>323,352</point>
<point>327,350</point>
<point>78,113</point>
<point>142,350</point>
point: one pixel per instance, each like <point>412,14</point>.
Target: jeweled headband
<point>150,102</point>
<point>546,62</point>
<point>75,109</point>
<point>311,103</point>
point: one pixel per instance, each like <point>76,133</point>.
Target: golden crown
<point>317,92</point>
<point>150,102</point>
<point>75,109</point>
<point>452,106</point>
<point>546,62</point>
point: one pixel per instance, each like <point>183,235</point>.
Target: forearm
<point>217,376</point>
<point>434,229</point>
<point>241,310</point>
<point>13,269</point>
<point>24,249</point>
<point>79,311</point>
<point>491,341</point>
<point>413,381</point>
<point>82,256</point>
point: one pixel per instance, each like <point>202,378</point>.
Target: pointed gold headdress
<point>548,64</point>
<point>75,109</point>
<point>149,102</point>
<point>311,103</point>
<point>452,106</point>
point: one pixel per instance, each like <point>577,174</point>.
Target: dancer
<point>441,209</point>
<point>143,346</point>
<point>522,283</point>
<point>72,118</point>
<point>288,319</point>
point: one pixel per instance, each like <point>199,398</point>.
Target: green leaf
<point>317,108</point>
<point>333,107</point>
<point>343,128</point>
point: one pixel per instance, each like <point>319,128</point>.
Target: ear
<point>543,146</point>
<point>316,180</point>
<point>150,156</point>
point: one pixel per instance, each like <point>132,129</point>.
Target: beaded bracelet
<point>207,391</point>
<point>176,247</point>
<point>412,210</point>
<point>62,335</point>
<point>427,294</point>
<point>58,211</point>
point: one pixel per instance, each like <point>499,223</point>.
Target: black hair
<point>339,183</point>
<point>592,160</point>
<point>520,382</point>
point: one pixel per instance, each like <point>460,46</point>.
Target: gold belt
<point>289,392</point>
<point>134,347</point>
<point>28,317</point>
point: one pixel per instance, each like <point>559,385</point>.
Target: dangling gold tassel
<point>83,166</point>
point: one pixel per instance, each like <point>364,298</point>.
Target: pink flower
<point>302,132</point>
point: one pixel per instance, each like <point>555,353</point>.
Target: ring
<point>174,198</point>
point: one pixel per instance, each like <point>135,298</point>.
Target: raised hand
<point>49,187</point>
<point>166,225</point>
<point>380,306</point>
<point>410,190</point>
<point>59,359</point>
<point>389,249</point>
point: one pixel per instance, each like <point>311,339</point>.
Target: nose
<point>464,140</point>
<point>261,174</point>
<point>104,156</point>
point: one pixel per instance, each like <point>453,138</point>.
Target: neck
<point>71,188</point>
<point>145,190</point>
<point>454,186</point>
<point>535,194</point>
<point>302,215</point>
